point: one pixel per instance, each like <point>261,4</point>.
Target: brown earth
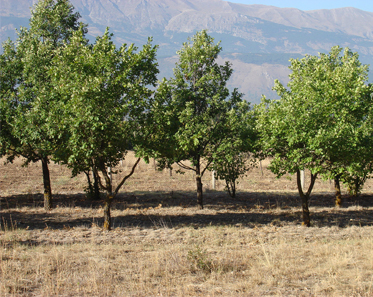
<point>151,195</point>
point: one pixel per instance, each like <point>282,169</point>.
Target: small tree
<point>29,113</point>
<point>106,105</point>
<point>357,172</point>
<point>196,104</point>
<point>355,178</point>
<point>235,156</point>
<point>320,121</point>
<point>276,127</point>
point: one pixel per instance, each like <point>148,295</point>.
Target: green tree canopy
<point>105,98</point>
<point>28,108</point>
<point>196,108</point>
<point>320,122</point>
<point>237,152</point>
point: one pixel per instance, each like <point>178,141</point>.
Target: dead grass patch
<point>211,261</point>
<point>162,245</point>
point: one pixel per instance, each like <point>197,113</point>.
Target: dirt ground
<point>152,196</point>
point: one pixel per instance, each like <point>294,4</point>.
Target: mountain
<point>258,40</point>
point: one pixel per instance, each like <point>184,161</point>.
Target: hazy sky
<point>366,5</point>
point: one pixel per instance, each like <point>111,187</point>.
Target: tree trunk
<point>47,184</point>
<point>107,216</point>
<point>110,194</point>
<point>96,187</point>
<point>338,195</point>
<point>199,185</point>
<point>305,211</point>
<point>108,200</point>
<point>234,189</point>
<point>90,187</point>
<point>93,190</point>
<point>199,192</point>
<point>305,198</point>
<point>231,187</point>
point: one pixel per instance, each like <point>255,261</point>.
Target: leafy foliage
<point>30,123</point>
<point>235,156</point>
<point>105,104</point>
<point>321,122</point>
<point>196,108</point>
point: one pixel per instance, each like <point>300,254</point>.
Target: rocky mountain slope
<point>257,39</point>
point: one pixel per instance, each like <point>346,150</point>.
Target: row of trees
<point>86,105</point>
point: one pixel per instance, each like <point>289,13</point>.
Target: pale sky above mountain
<point>366,5</point>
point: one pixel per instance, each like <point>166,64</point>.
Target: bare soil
<point>258,193</point>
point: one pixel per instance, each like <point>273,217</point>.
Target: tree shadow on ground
<point>247,209</point>
<point>212,199</point>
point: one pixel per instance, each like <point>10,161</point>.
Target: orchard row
<point>85,105</point>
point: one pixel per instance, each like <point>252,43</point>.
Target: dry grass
<point>210,261</point>
<point>162,245</point>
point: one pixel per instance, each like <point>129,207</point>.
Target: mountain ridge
<point>155,13</point>
<point>255,36</point>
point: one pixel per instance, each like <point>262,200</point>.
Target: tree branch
<point>185,166</point>
<point>126,177</point>
<point>207,166</point>
<point>313,179</point>
<point>94,169</point>
<point>299,184</point>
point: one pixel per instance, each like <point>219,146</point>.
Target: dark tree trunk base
<point>199,192</point>
<point>305,212</point>
<point>305,198</point>
<point>338,194</point>
<point>47,185</point>
<point>107,215</point>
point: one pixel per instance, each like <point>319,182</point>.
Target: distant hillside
<point>257,39</point>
